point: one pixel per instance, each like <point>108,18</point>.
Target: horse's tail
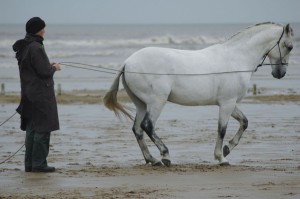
<point>111,101</point>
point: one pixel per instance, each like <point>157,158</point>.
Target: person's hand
<point>56,66</point>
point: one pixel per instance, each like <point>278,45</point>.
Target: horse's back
<point>150,57</point>
<point>168,60</point>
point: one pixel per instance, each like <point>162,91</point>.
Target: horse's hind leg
<point>148,125</point>
<point>241,118</point>
<point>137,130</point>
<point>139,134</point>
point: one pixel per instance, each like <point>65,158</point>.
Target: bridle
<point>265,56</point>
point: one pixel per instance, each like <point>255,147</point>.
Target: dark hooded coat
<point>38,103</point>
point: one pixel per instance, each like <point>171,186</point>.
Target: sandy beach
<point>97,156</point>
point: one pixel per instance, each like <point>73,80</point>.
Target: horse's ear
<point>288,29</point>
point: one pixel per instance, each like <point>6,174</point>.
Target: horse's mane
<point>255,25</point>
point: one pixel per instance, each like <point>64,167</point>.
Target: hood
<point>20,44</point>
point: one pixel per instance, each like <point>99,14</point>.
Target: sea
<point>109,45</point>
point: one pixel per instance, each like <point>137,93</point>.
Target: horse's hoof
<point>166,162</point>
<point>157,164</point>
<point>224,164</point>
<point>226,150</point>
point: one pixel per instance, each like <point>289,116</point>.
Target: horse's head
<point>279,55</point>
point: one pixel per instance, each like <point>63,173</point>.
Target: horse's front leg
<point>241,118</point>
<point>224,114</point>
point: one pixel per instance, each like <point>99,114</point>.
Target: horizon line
<point>200,23</point>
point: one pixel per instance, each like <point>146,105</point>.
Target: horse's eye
<point>289,46</point>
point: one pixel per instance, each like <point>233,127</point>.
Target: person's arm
<point>56,65</point>
<point>41,64</point>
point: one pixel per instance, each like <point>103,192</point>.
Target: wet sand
<point>97,156</point>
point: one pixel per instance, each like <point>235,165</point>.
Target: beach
<point>97,156</point>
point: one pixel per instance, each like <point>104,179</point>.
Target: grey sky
<point>149,11</point>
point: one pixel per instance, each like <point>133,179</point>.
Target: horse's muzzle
<point>278,75</point>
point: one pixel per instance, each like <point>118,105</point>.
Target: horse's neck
<point>252,45</point>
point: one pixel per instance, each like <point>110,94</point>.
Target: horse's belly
<point>192,100</point>
<point>208,90</point>
<point>194,94</point>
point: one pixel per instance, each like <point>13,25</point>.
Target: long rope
<point>8,119</point>
<point>71,64</point>
<point>12,154</point>
<point>19,148</point>
<point>113,71</point>
<point>101,69</point>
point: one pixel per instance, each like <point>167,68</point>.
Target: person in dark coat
<point>38,107</point>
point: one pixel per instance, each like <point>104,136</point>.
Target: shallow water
<point>92,134</point>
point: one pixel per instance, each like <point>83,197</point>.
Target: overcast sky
<point>149,11</point>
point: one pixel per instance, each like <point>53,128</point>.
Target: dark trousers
<point>37,148</point>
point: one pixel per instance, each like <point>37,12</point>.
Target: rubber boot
<point>29,140</point>
<point>40,150</point>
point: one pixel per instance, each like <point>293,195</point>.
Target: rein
<point>265,56</point>
<point>114,71</point>
<point>19,148</point>
<point>8,119</point>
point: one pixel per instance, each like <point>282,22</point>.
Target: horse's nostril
<point>273,74</point>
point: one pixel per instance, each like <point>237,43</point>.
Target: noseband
<point>265,56</point>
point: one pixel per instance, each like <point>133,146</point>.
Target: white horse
<point>217,75</point>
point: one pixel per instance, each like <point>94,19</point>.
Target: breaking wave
<point>69,54</point>
<point>135,42</point>
<point>6,43</point>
